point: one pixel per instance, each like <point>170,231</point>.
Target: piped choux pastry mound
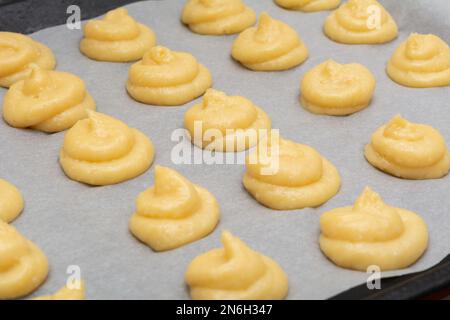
<point>235,272</point>
<point>11,201</point>
<point>409,150</point>
<point>227,123</point>
<point>116,38</point>
<point>361,22</point>
<point>308,5</point>
<point>167,78</point>
<point>66,293</point>
<point>18,53</point>
<point>270,46</point>
<point>173,212</point>
<point>337,89</point>
<point>422,61</point>
<point>217,17</point>
<point>372,233</point>
<point>48,101</point>
<point>101,150</point>
<point>285,175</point>
<point>23,266</point>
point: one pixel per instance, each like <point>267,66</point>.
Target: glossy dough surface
<point>167,78</point>
<point>17,55</point>
<point>235,272</point>
<point>228,123</point>
<point>23,266</point>
<point>101,150</point>
<point>285,175</point>
<point>217,17</point>
<point>116,38</point>
<point>11,201</point>
<point>372,233</point>
<point>66,293</point>
<point>361,22</point>
<point>422,61</point>
<point>409,150</point>
<point>337,89</point>
<point>173,212</point>
<point>308,5</point>
<point>270,46</point>
<point>48,101</point>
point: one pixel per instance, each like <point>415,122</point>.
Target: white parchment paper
<point>87,226</point>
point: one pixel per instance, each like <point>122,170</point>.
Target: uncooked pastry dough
<point>422,61</point>
<point>167,78</point>
<point>308,5</point>
<point>48,101</point>
<point>23,266</point>
<point>285,175</point>
<point>66,293</point>
<point>235,272</point>
<point>116,38</point>
<point>361,22</point>
<point>337,89</point>
<point>236,123</point>
<point>11,201</point>
<point>409,150</point>
<point>18,53</point>
<point>270,46</point>
<point>173,212</point>
<point>372,233</point>
<point>217,17</point>
<point>101,150</point>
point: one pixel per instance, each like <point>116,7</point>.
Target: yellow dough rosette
<point>101,150</point>
<point>18,53</point>
<point>167,78</point>
<point>48,101</point>
<point>235,123</point>
<point>409,150</point>
<point>361,22</point>
<point>308,5</point>
<point>23,266</point>
<point>337,89</point>
<point>66,293</point>
<point>285,175</point>
<point>116,38</point>
<point>372,233</point>
<point>11,201</point>
<point>270,46</point>
<point>422,61</point>
<point>235,272</point>
<point>217,17</point>
<point>173,212</point>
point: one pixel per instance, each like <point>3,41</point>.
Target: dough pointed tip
<point>37,81</point>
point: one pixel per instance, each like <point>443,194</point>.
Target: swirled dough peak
<point>308,5</point>
<point>116,38</point>
<point>48,101</point>
<point>337,89</point>
<point>167,78</point>
<point>361,22</point>
<point>11,201</point>
<point>270,46</point>
<point>235,272</point>
<point>66,293</point>
<point>173,212</point>
<point>18,53</point>
<point>226,123</point>
<point>23,266</point>
<point>422,61</point>
<point>372,233</point>
<point>409,150</point>
<point>217,17</point>
<point>285,175</point>
<point>101,150</point>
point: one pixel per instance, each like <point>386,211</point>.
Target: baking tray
<point>27,16</point>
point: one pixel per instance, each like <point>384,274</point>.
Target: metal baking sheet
<point>86,226</point>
